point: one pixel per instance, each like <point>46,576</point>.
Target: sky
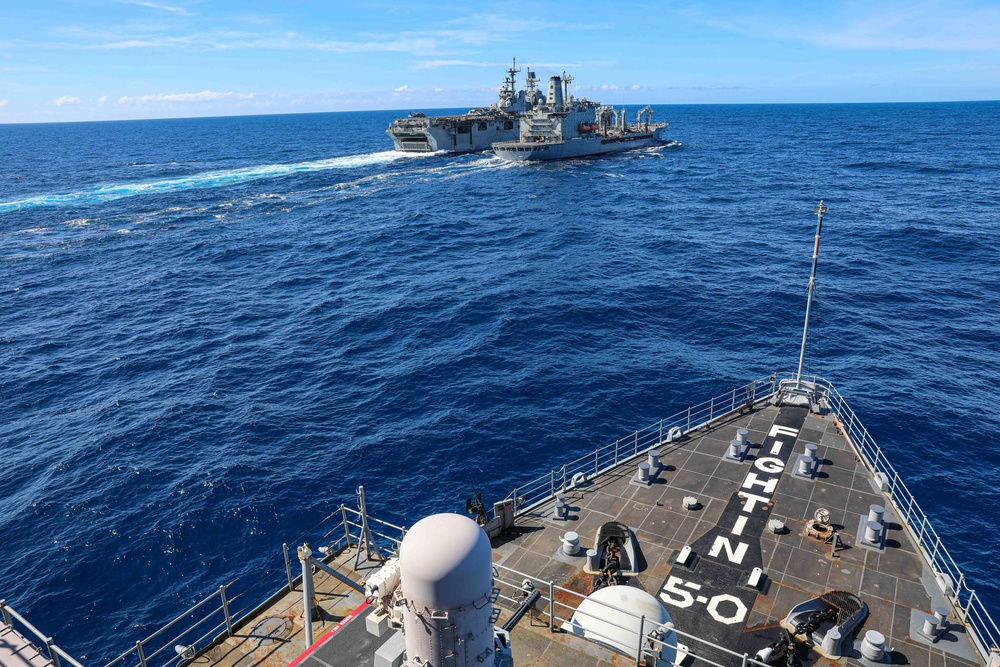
<point>72,60</point>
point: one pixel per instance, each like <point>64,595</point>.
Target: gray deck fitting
<point>653,476</point>
<point>816,466</point>
<point>744,452</point>
<point>948,641</point>
<point>672,560</point>
<point>861,542</point>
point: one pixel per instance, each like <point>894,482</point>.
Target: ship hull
<point>517,151</point>
<point>451,134</point>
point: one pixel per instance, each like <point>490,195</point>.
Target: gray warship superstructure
<point>476,130</point>
<point>762,527</point>
<point>564,127</point>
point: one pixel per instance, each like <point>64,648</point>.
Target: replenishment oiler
<point>564,127</point>
<point>475,130</point>
<point>762,527</point>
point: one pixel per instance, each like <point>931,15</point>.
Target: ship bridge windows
<point>508,125</point>
<point>465,129</point>
<point>482,127</point>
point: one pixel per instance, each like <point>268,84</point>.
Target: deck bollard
<point>941,615</point>
<point>806,465</point>
<point>561,511</point>
<point>873,646</point>
<point>643,474</point>
<point>876,513</point>
<point>741,436</point>
<point>735,449</point>
<point>691,503</point>
<point>592,563</point>
<point>571,544</point>
<point>831,641</point>
<point>776,526</point>
<point>654,461</point>
<point>873,532</point>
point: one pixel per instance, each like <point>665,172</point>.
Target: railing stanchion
<point>616,451</point>
<point>142,656</point>
<point>642,637</point>
<point>564,479</point>
<point>552,482</point>
<point>6,613</point>
<point>597,461</point>
<point>636,443</point>
<point>288,568</point>
<point>552,607</point>
<point>688,421</point>
<point>347,526</point>
<point>225,610</point>
<point>51,648</point>
<point>745,656</point>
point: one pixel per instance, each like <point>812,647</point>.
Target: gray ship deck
<point>894,583</point>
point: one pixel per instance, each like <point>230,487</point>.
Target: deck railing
<point>664,432</point>
<point>223,613</point>
<point>220,614</point>
<point>983,629</point>
<point>55,654</point>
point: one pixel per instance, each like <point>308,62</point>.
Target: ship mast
<point>819,210</point>
<point>511,77</point>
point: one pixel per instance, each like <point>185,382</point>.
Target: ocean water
<point>213,330</point>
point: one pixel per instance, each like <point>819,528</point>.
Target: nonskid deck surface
<point>798,567</point>
<point>17,651</point>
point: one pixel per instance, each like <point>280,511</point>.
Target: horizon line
<point>314,113</point>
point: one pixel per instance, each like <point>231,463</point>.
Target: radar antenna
<point>819,210</point>
<point>509,86</point>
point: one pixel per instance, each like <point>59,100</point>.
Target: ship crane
<point>646,111</point>
<point>566,80</point>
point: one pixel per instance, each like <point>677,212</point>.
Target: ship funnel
<point>446,577</point>
<point>555,98</point>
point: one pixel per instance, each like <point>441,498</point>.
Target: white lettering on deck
<point>735,555</point>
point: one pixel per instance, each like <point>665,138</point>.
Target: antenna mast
<point>819,210</point>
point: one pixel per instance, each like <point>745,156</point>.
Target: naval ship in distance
<point>564,127</point>
<point>762,527</point>
<point>476,130</point>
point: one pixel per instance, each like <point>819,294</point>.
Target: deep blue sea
<point>213,330</point>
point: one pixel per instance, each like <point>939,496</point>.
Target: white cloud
<point>168,98</point>
<point>635,86</point>
<point>612,86</point>
<point>102,99</point>
<point>436,90</point>
<point>402,89</point>
<point>66,100</point>
<point>156,5</point>
<point>4,102</point>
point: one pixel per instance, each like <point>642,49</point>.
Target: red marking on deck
<point>330,633</point>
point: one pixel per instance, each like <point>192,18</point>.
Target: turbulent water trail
<point>106,192</point>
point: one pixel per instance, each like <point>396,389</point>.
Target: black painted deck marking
<point>708,600</point>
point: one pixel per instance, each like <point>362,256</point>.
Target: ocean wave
<point>107,192</point>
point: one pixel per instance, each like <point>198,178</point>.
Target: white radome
<point>612,616</point>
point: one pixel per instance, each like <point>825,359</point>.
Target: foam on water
<point>107,192</point>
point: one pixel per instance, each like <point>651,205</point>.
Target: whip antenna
<point>819,210</point>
